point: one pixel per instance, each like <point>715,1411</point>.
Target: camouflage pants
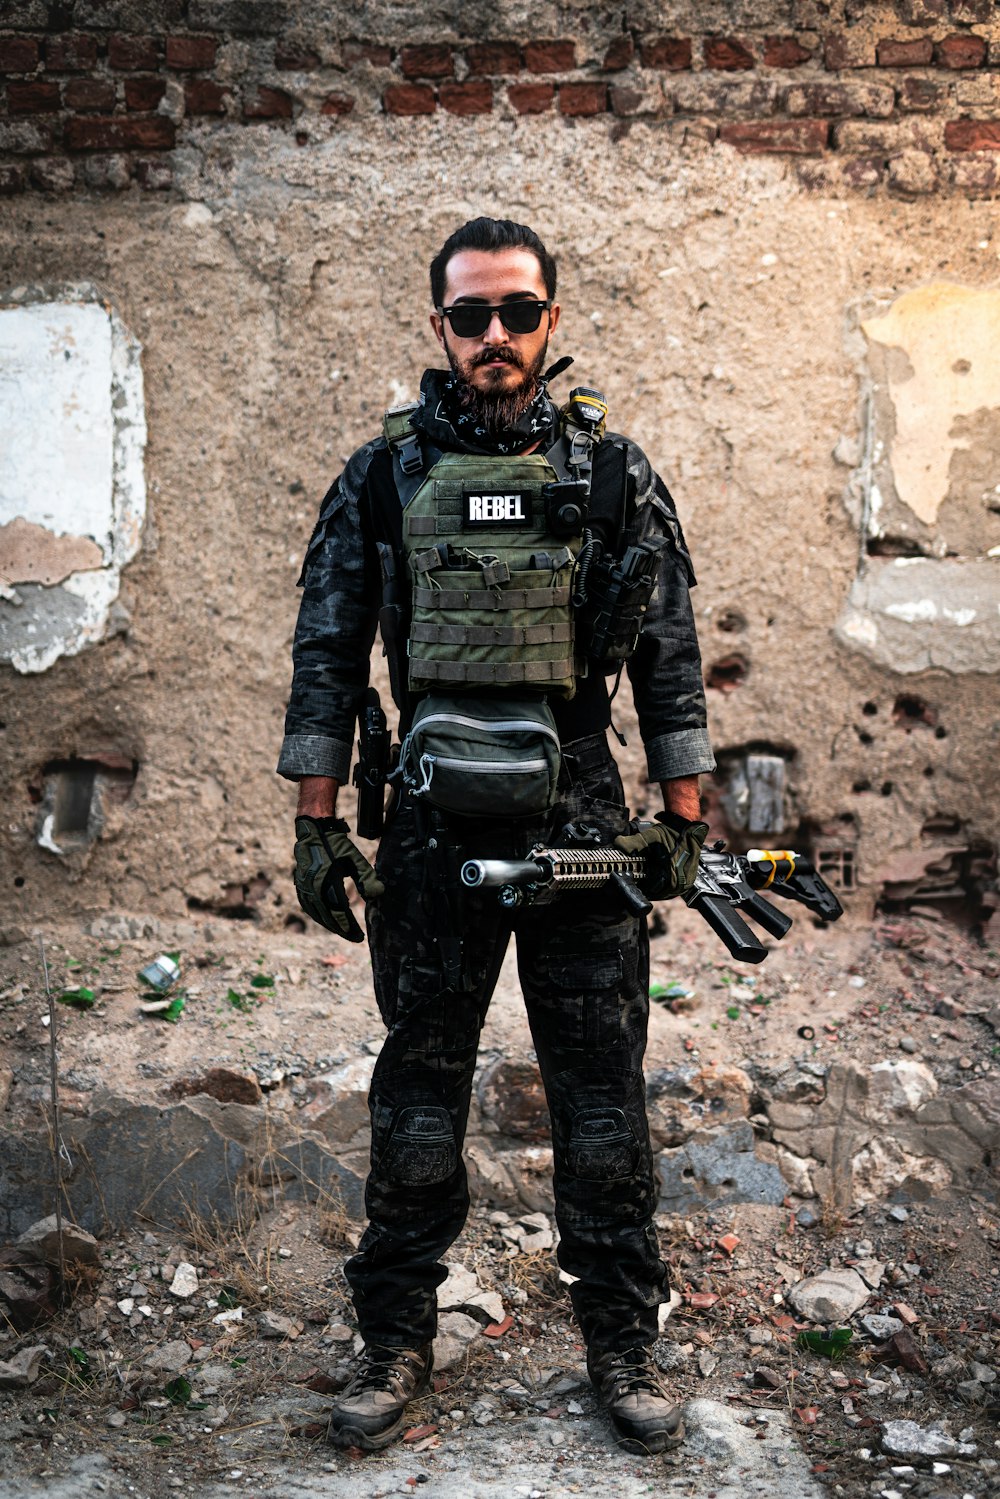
<point>583,964</point>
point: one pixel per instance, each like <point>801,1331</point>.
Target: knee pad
<point>602,1145</point>
<point>420,1148</point>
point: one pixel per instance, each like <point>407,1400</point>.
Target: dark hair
<point>493,235</point>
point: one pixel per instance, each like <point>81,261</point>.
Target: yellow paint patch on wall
<point>950,336</point>
<point>33,554</point>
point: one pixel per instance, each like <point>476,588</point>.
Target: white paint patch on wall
<point>72,443</point>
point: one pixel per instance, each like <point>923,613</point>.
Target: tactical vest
<point>490,585</point>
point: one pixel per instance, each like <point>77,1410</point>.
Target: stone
<point>43,1239</point>
<point>831,1297</point>
<point>719,1166</point>
<point>680,1101</point>
<point>274,1325</point>
<point>338,1107</point>
<point>872,1272</point>
<point>908,1440</point>
<point>899,1087</point>
<point>456,1332</point>
<point>185,1281</point>
<point>23,1368</point>
<point>534,1232</point>
<point>462,1292</point>
<point>512,1098</point>
<point>27,1289</point>
<point>879,1327</point>
<point>169,1358</point>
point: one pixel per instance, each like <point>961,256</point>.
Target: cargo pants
<point>583,964</point>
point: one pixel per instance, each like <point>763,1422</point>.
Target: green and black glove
<point>671,847</point>
<point>324,856</point>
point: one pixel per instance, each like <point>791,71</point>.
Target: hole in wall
<point>952,876</point>
<point>870,709</point>
<point>910,711</point>
<point>728,673</point>
<point>76,794</point>
<point>893,546</point>
<point>237,900</point>
<point>731,622</point>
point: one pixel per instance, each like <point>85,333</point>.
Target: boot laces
<point>384,1369</point>
<point>633,1372</point>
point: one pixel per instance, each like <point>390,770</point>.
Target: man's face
<point>497,365</point>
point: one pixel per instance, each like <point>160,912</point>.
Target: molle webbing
<point>491,586</point>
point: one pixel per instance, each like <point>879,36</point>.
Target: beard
<point>500,406</point>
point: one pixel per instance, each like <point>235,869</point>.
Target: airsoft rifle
<point>726,885</point>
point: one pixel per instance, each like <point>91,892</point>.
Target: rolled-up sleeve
<point>336,626</point>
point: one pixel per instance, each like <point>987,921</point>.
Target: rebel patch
<point>488,507</point>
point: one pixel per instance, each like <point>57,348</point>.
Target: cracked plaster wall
<point>280,299</point>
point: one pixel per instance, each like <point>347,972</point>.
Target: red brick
<point>409,99</point>
<point>901,52</point>
<point>961,52</point>
<point>69,53</point>
<point>475,98</point>
<point>848,50</point>
<point>18,54</point>
<point>549,57</point>
<point>877,99</point>
<point>493,58</point>
<point>12,180</point>
<point>120,133</point>
<point>583,98</point>
<point>267,104</point>
<point>203,96</point>
<point>619,54</point>
<point>371,52</point>
<point>191,52</point>
<point>337,104</point>
<point>134,54</point>
<point>921,94</point>
<point>672,54</point>
<point>531,98</point>
<point>144,94</point>
<point>89,93</point>
<point>33,96</point>
<point>728,54</point>
<point>777,137</point>
<point>972,135</point>
<point>432,61</point>
<point>784,52</point>
<point>292,57</point>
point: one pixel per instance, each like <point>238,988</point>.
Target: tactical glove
<point>324,855</point>
<point>670,846</point>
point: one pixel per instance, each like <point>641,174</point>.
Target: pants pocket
<point>420,1150</point>
<point>602,1146</point>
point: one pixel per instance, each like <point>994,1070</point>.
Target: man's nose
<point>495,333</point>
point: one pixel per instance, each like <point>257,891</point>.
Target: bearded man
<point>488,533</point>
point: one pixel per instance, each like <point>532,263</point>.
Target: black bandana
<point>443,416</point>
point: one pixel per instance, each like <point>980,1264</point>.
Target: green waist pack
<point>483,757</point>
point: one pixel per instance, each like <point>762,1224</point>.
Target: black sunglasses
<point>471,319</point>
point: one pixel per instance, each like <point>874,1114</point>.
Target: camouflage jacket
<point>342,593</point>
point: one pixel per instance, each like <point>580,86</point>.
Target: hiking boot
<point>371,1408</point>
<point>630,1387</point>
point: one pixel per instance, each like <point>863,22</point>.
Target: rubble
<point>831,1297</point>
<point>906,1439</point>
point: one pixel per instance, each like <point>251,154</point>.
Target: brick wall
<point>854,96</point>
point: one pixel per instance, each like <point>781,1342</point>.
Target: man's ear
<point>554,312</point>
<point>437,323</point>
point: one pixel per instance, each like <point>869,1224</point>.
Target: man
<point>488,526</point>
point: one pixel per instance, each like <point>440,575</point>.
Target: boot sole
<point>658,1441</point>
<point>353,1436</point>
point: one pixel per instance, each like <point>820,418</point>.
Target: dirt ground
<point>141,1392</point>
